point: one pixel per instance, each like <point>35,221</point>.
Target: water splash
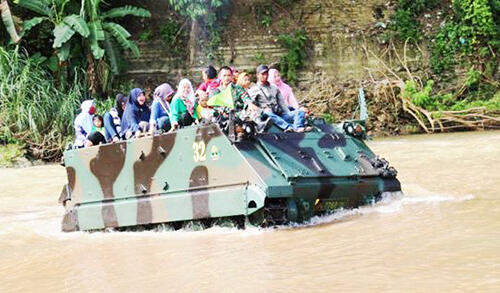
<point>46,223</point>
<point>390,203</point>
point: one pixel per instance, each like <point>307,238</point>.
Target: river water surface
<point>443,235</point>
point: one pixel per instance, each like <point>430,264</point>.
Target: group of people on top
<point>269,98</point>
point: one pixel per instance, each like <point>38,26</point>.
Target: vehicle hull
<point>198,173</point>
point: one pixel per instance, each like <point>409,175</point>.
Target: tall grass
<point>33,110</point>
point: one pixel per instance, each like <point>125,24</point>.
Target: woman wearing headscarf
<point>183,108</point>
<point>244,80</point>
<point>286,91</point>
<point>160,109</point>
<point>113,118</point>
<point>83,122</point>
<point>136,115</point>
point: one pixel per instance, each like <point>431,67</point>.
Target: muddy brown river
<point>442,236</point>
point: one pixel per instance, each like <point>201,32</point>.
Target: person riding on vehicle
<point>160,109</point>
<point>183,106</point>
<point>136,115</point>
<point>269,99</point>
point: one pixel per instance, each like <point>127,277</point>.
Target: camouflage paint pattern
<point>198,173</point>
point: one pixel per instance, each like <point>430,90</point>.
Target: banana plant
<point>8,21</point>
<point>66,24</point>
<point>104,31</point>
<point>94,26</point>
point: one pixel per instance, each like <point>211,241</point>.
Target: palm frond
<point>112,54</point>
<point>78,24</point>
<point>96,35</point>
<point>29,24</point>
<point>62,34</point>
<point>122,36</point>
<point>64,52</point>
<point>37,6</point>
<point>118,32</point>
<point>126,10</point>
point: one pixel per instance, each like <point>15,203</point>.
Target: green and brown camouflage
<point>200,173</point>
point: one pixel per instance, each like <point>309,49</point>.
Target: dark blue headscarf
<point>134,113</point>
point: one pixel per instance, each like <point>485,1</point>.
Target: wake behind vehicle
<point>206,174</point>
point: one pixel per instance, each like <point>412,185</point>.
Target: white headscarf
<point>190,98</point>
<point>84,119</point>
<point>179,93</point>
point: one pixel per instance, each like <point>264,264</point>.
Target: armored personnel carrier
<point>206,174</point>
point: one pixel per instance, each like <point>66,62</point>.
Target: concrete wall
<point>337,30</point>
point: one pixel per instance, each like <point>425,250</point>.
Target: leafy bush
<point>405,19</point>
<point>471,35</point>
<point>9,154</point>
<point>444,49</point>
<point>174,38</point>
<point>295,45</point>
<point>33,111</point>
<point>260,58</point>
<point>423,97</point>
<point>263,14</point>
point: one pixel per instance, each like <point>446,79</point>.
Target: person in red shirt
<point>210,81</point>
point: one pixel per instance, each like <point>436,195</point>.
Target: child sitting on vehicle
<point>97,133</point>
<point>204,111</point>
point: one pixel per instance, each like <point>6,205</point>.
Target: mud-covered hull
<point>197,173</point>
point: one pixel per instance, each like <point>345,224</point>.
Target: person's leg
<point>96,138</point>
<point>277,120</point>
<point>297,118</point>
<point>186,120</point>
<point>144,126</point>
<point>164,123</point>
<point>109,127</point>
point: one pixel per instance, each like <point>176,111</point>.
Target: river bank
<point>441,236</point>
<point>16,156</point>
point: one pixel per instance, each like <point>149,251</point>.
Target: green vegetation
<point>293,60</point>
<point>209,13</point>
<point>9,154</point>
<point>260,58</point>
<point>464,54</point>
<point>85,28</point>
<point>472,34</point>
<point>33,110</point>
<point>263,13</point>
<point>173,36</point>
<point>72,49</point>
<point>145,35</point>
<point>405,19</point>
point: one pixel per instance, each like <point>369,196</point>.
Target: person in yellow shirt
<point>204,112</point>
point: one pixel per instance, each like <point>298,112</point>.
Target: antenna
<point>363,113</point>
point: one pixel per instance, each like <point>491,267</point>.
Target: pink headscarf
<point>285,89</point>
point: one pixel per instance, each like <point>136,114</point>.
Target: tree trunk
<point>92,74</point>
<point>8,21</point>
<point>193,34</point>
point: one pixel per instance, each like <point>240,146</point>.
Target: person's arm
<point>195,112</point>
<point>293,100</point>
<point>109,127</point>
<point>80,135</point>
<point>175,110</point>
<point>133,122</point>
<point>155,113</point>
<point>253,94</point>
<point>281,102</point>
<point>245,97</point>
